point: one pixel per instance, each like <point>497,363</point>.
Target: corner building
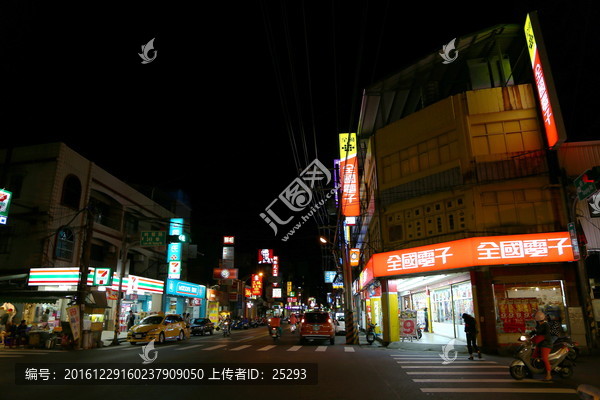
<point>463,208</point>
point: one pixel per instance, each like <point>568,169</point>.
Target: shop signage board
<point>256,289</point>
<point>477,251</point>
<point>5,197</point>
<point>102,276</point>
<point>225,273</point>
<point>54,276</point>
<point>408,323</point>
<point>187,289</point>
<point>174,250</point>
<point>73,315</point>
<point>584,189</point>
<point>354,257</point>
<point>329,276</point>
<point>349,174</point>
<point>516,312</point>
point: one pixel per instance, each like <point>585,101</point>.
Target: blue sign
<point>329,276</point>
<point>187,289</point>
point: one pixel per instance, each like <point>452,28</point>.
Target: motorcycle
<point>524,366</point>
<point>274,332</point>
<point>293,328</point>
<point>370,333</point>
<point>226,328</point>
<point>573,347</point>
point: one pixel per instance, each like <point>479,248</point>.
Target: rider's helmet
<point>539,316</point>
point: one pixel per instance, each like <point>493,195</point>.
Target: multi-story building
<point>465,209</point>
<point>69,217</point>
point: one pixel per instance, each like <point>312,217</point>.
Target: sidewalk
<point>108,337</point>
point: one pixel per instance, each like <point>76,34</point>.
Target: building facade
<point>69,218</point>
<point>464,207</point>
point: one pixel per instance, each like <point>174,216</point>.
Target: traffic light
<point>183,238</point>
<point>592,175</point>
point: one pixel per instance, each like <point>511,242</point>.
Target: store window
<point>65,244</point>
<point>517,303</point>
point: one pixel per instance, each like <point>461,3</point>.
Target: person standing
<point>471,331</point>
<point>130,320</point>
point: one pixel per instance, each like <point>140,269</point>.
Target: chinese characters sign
<point>490,250</point>
<point>349,175</point>
<point>153,238</point>
<point>174,249</point>
<point>546,99</point>
<point>256,285</point>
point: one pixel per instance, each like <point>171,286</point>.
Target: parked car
<point>158,328</point>
<point>340,325</point>
<point>200,326</point>
<point>317,325</point>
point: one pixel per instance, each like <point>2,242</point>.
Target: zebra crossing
<point>237,347</point>
<point>434,374</point>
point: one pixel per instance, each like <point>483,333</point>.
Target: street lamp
<point>351,330</point>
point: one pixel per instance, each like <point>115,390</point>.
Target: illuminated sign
<point>256,285</point>
<point>174,249</point>
<point>546,94</point>
<point>229,240</point>
<point>289,288</point>
<point>187,289</point>
<point>225,273</point>
<point>329,276</point>
<point>349,174</point>
<point>102,276</point>
<point>276,293</point>
<point>366,275</point>
<point>275,266</point>
<point>354,257</point>
<point>5,197</point>
<point>265,256</point>
<point>248,292</point>
<point>53,276</point>
<point>478,251</point>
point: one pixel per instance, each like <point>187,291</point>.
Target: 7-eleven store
<point>500,280</point>
<point>141,295</point>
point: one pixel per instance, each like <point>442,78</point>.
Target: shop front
<point>185,297</point>
<point>501,280</point>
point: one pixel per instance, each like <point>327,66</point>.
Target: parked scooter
<point>524,366</point>
<point>370,333</point>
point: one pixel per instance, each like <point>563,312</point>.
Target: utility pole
<point>82,290</point>
<point>124,250</point>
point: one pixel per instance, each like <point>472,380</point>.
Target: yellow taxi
<point>159,328</point>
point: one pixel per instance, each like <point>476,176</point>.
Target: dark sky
<point>233,81</point>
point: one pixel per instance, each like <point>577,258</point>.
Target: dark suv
<point>200,326</point>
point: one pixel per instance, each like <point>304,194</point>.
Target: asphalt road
<point>249,365</point>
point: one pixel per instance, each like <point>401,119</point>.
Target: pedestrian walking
<point>471,331</point>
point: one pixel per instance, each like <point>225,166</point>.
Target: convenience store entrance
<point>439,302</point>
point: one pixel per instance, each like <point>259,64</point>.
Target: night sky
<point>233,81</point>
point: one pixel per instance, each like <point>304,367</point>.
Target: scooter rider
<point>293,322</point>
<point>543,340</point>
<point>275,322</point>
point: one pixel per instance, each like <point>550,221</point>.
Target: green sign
<point>584,189</point>
<point>5,196</point>
<point>153,238</point>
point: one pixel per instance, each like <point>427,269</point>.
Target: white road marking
<point>294,348</point>
<point>240,347</point>
<point>321,348</point>
<point>459,380</point>
<point>214,347</point>
<point>455,366</point>
<point>453,362</point>
<point>188,347</point>
<point>498,390</point>
<point>349,349</point>
<point>266,348</point>
<point>457,373</point>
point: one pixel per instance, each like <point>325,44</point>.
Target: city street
<point>343,371</point>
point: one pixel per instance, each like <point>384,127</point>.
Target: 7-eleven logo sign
<point>102,276</point>
<point>174,269</point>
